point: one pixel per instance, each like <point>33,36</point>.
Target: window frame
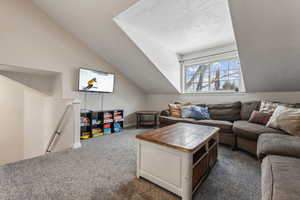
<point>208,61</point>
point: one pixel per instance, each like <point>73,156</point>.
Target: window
<point>224,75</point>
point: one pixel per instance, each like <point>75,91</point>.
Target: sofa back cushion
<point>225,111</point>
<point>165,113</point>
<point>247,108</point>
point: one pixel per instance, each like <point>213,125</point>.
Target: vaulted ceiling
<point>137,36</point>
<point>92,22</point>
<point>150,34</point>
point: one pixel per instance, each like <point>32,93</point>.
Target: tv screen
<point>95,81</point>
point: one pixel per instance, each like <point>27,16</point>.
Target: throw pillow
<point>175,109</point>
<point>268,106</point>
<point>259,117</point>
<point>200,113</point>
<point>286,119</point>
<point>186,111</point>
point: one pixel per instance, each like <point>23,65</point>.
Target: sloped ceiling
<point>92,22</point>
<point>266,31</point>
<point>46,82</point>
<point>268,38</point>
<point>157,31</point>
<point>184,26</point>
<point>165,30</point>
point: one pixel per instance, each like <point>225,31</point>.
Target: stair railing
<point>56,135</point>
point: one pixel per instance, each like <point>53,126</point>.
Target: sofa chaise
<point>280,155</point>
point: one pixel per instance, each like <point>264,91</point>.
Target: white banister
<point>55,136</point>
<point>76,114</point>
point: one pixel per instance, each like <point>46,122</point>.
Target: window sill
<point>214,93</point>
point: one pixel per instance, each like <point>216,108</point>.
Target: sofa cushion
<point>247,108</point>
<point>172,120</point>
<point>225,126</point>
<point>280,178</point>
<point>226,111</point>
<point>278,144</point>
<point>251,131</point>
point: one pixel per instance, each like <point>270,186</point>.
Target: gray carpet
<point>104,168</point>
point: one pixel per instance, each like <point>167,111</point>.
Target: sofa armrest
<point>278,144</point>
<point>165,113</point>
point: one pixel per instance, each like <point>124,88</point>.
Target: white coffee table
<point>177,157</point>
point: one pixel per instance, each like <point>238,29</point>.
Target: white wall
<point>11,121</point>
<point>29,38</point>
<point>160,102</point>
<point>34,123</point>
<point>267,34</point>
<point>41,117</point>
<point>28,118</point>
<point>163,58</point>
<point>53,111</point>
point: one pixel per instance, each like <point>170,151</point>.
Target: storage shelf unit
<point>85,125</point>
<point>97,123</point>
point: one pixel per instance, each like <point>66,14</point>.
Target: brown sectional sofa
<point>279,152</point>
<point>232,119</point>
<point>280,156</point>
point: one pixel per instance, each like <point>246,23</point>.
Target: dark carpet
<point>105,167</point>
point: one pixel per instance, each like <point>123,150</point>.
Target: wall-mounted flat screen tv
<point>95,81</point>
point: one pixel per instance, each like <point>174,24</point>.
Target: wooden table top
<point>180,136</point>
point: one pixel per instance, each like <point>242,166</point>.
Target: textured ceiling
<point>183,25</point>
